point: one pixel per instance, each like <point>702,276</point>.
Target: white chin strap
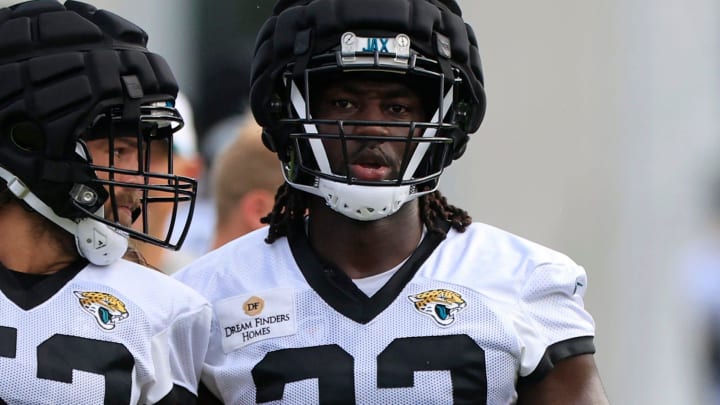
<point>362,203</point>
<point>97,242</point>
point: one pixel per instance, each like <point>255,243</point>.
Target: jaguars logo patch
<point>105,308</point>
<point>441,305</point>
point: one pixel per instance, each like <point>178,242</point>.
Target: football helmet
<point>422,43</point>
<point>71,75</point>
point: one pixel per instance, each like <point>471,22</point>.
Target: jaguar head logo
<point>105,308</point>
<point>441,305</point>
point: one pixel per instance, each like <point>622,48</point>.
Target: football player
<point>367,286</point>
<point>81,102</point>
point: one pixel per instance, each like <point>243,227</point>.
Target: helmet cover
<point>70,73</point>
<point>423,43</point>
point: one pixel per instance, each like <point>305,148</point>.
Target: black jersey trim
<point>179,395</point>
<point>206,397</point>
<point>340,292</point>
<point>30,290</point>
<point>558,352</point>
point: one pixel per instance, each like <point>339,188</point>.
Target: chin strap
<point>97,242</point>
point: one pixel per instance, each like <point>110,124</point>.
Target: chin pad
<point>100,243</point>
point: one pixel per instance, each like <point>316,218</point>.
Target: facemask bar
<point>318,165</point>
<point>410,162</point>
<point>426,149</point>
<point>147,184</point>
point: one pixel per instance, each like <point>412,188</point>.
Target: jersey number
<point>59,355</point>
<point>333,368</point>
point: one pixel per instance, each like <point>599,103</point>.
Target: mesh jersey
<point>118,334</point>
<point>484,309</point>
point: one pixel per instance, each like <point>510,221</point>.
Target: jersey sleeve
<point>554,324</point>
<point>178,353</point>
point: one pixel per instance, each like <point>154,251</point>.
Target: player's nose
<point>374,122</point>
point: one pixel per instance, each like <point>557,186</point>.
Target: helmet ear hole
<point>28,136</point>
<point>268,141</point>
<point>276,140</point>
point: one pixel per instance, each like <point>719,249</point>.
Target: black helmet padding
<point>60,66</point>
<point>299,29</point>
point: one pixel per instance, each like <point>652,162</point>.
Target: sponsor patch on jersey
<point>441,305</point>
<point>105,308</point>
<point>250,318</point>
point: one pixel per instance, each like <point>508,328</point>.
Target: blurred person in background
<point>217,138</point>
<point>245,177</point>
<point>200,238</point>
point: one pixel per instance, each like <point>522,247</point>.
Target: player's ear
<point>256,204</point>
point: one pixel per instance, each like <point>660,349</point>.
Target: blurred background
<point>600,141</point>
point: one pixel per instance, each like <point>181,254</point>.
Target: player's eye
<point>124,154</point>
<point>398,109</point>
<point>119,153</point>
<point>342,104</point>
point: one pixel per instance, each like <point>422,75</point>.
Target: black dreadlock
<point>291,205</point>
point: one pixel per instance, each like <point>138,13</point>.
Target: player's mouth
<point>369,171</point>
<point>127,210</point>
<point>125,215</point>
<point>370,165</point>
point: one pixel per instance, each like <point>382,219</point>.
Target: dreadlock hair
<point>291,205</point>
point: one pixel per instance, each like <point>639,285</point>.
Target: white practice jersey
<point>459,322</point>
<point>120,334</point>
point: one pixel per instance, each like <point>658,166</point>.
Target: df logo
<point>253,306</point>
